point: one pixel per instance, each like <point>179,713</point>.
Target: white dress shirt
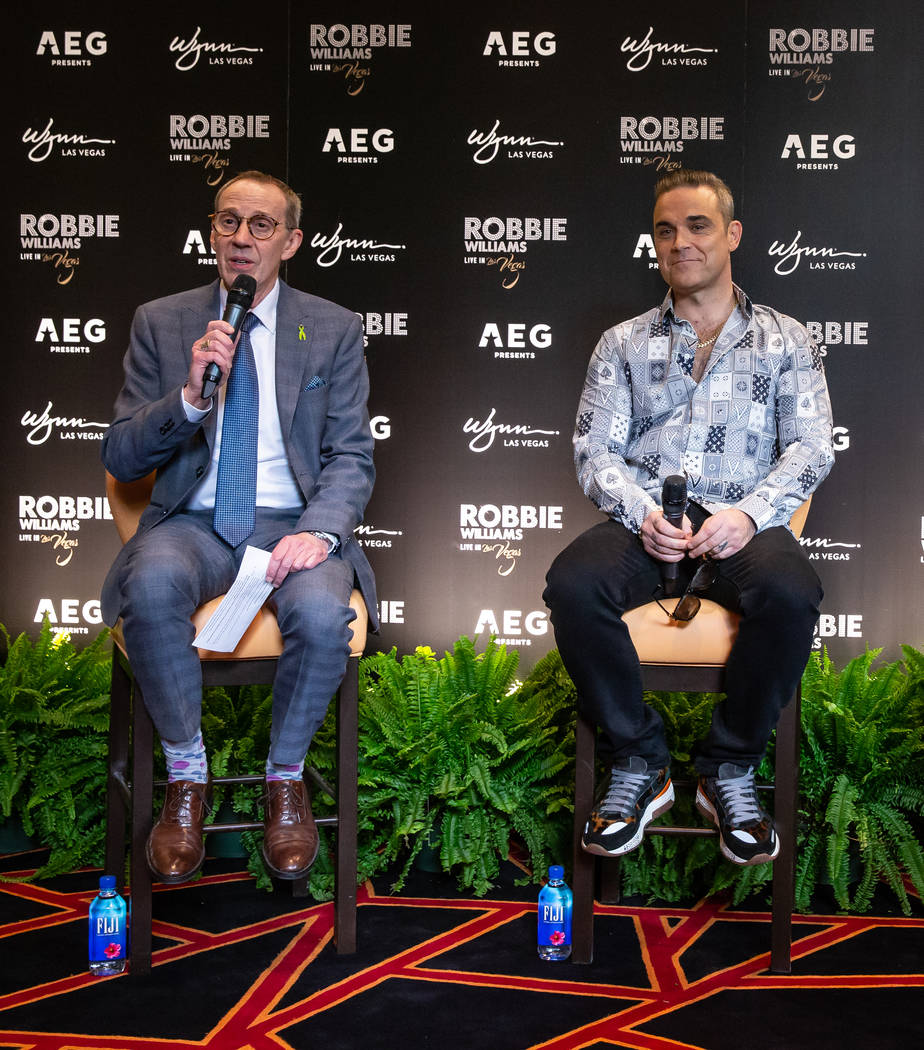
<point>276,485</point>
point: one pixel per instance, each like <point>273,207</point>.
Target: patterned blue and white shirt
<point>754,433</point>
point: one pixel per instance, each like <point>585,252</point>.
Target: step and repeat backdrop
<point>477,186</point>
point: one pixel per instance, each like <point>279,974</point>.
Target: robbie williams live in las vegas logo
<point>55,240</point>
<point>811,55</point>
<point>205,140</point>
<point>349,51</point>
<point>502,244</point>
<point>498,532</point>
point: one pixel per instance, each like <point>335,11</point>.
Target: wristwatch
<point>333,542</point>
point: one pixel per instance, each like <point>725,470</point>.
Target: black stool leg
<point>117,787</point>
<point>582,883</point>
<point>347,799</point>
<point>786,809</point>
<point>142,821</point>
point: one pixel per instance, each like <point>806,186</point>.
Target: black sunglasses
<point>689,604</point>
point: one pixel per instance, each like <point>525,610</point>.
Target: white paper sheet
<point>240,605</point>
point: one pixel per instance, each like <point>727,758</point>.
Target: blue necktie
<point>236,490</point>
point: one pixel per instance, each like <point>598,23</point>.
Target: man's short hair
<point>293,214</point>
<point>690,177</point>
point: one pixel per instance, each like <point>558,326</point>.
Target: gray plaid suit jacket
<point>321,390</point>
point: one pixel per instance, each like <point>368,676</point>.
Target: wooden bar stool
<point>130,789</point>
<point>690,657</point>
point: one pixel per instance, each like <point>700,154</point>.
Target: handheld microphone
<point>673,506</point>
<point>240,296</point>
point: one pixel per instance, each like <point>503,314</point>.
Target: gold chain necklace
<point>703,343</point>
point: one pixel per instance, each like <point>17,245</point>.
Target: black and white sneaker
<point>729,800</point>
<point>626,804</point>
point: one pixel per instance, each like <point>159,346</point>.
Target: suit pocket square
<point>315,383</point>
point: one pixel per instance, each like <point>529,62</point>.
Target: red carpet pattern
<point>238,970</point>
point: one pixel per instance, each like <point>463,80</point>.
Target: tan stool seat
<point>706,639</point>
<point>262,640</point>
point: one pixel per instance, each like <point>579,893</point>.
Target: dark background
<point>127,74</point>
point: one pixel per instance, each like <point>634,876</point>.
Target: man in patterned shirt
<point>732,396</point>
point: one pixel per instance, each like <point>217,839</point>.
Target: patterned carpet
<point>237,969</point>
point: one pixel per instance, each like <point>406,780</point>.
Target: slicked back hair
<point>689,177</point>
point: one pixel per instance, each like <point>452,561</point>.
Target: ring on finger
<point>205,344</point>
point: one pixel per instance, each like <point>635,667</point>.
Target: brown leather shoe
<point>290,836</point>
<point>174,849</point>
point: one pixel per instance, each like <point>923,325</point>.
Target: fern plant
<point>451,750</point>
<point>862,778</point>
<point>54,712</point>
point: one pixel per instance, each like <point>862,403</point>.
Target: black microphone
<point>673,506</point>
<point>240,296</point>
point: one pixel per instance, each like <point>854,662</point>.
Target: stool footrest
<point>680,831</point>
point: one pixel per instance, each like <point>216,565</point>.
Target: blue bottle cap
<point>107,882</point>
<point>556,871</point>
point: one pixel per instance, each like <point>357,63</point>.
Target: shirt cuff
<point>193,414</point>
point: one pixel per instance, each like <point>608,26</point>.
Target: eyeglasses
<point>689,604</point>
<point>226,223</point>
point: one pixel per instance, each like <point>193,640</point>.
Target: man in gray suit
<point>312,459</point>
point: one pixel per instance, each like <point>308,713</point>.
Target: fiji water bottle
<point>108,930</point>
<point>555,901</point>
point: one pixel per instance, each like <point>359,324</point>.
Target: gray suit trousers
<point>182,563</point>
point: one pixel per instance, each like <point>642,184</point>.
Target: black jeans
<point>605,571</point>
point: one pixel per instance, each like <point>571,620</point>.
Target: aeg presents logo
<point>69,613</point>
<point>70,335</point>
<point>358,145</point>
<point>72,47</point>
<point>513,626</point>
<point>198,243</point>
<point>515,340</point>
<point>819,152</point>
<point>644,246</point>
<point>521,48</point>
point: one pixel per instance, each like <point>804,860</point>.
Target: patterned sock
<point>186,760</point>
<point>280,771</point>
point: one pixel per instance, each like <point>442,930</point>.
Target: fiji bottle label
<point>108,940</point>
<point>554,924</point>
